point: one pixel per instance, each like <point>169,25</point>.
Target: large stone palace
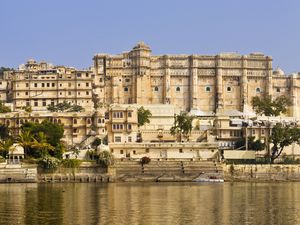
<point>209,83</point>
<point>218,89</point>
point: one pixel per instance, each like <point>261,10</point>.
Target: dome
<point>278,72</point>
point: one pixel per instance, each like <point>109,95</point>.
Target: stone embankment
<point>14,173</point>
<point>258,173</point>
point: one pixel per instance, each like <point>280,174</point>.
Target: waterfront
<point>150,203</point>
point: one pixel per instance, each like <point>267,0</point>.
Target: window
<point>101,79</point>
<point>75,130</point>
<point>78,93</point>
<point>87,84</point>
<point>26,92</point>
<point>126,89</point>
<point>78,74</point>
<point>228,89</point>
<point>263,131</point>
<point>27,103</point>
<point>69,93</point>
<point>129,126</point>
<point>118,139</point>
<point>88,121</point>
<point>277,89</point>
<point>48,84</point>
<point>253,132</point>
<point>36,103</point>
<point>177,89</point>
<point>118,115</point>
<point>44,102</point>
<point>60,85</point>
<point>87,93</point>
<point>134,152</point>
<point>52,102</point>
<point>69,84</point>
<point>27,85</point>
<point>156,89</point>
<point>147,150</point>
<point>74,121</point>
<point>60,93</point>
<point>129,139</point>
<point>43,84</point>
<point>78,85</point>
<point>207,89</point>
<point>53,84</point>
<point>258,90</point>
<point>129,114</point>
<point>35,85</point>
<point>180,150</point>
<point>121,151</point>
<point>127,80</point>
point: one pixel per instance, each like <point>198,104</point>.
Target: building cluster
<point>216,89</point>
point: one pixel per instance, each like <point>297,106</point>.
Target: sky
<point>71,32</point>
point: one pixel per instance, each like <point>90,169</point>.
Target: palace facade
<point>209,83</point>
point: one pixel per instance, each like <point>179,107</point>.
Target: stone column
<point>269,70</point>
<point>167,82</point>
<point>244,85</point>
<point>294,95</point>
<point>193,82</point>
<point>219,86</point>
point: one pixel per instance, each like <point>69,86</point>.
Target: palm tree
<point>40,143</point>
<point>4,147</point>
<point>25,139</point>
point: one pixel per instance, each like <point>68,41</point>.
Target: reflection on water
<point>150,203</point>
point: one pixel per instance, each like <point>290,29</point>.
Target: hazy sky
<point>70,32</point>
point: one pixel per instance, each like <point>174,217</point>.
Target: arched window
<point>99,120</point>
<point>88,121</point>
<point>59,121</point>
<point>258,90</point>
<point>75,121</point>
<point>229,89</point>
<point>207,89</point>
<point>178,89</point>
<point>55,120</point>
<point>156,88</point>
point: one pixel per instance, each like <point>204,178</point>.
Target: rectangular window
<point>44,102</point>
<point>129,127</point>
<point>87,93</point>
<point>69,93</point>
<point>36,103</point>
<point>43,84</point>
<point>118,139</point>
<point>53,84</point>
<point>78,74</point>
<point>69,84</point>
<point>48,84</point>
<point>35,85</point>
<point>129,114</point>
<point>26,92</point>
<point>129,139</point>
<point>87,84</point>
<point>78,85</point>
<point>27,85</point>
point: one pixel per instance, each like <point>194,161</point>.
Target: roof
<point>16,149</point>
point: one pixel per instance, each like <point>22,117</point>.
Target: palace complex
<point>217,89</point>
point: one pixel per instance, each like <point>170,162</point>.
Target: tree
<point>143,116</point>
<point>182,125</point>
<point>3,108</point>
<point>4,147</point>
<point>255,145</point>
<point>65,107</point>
<point>270,107</point>
<point>25,140</point>
<point>282,136</point>
<point>4,132</point>
<point>41,145</point>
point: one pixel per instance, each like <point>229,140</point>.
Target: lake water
<point>150,203</point>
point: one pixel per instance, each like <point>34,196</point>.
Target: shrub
<point>71,163</point>
<point>106,159</point>
<point>49,162</point>
<point>145,160</point>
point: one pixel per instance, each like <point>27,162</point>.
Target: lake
<point>150,203</point>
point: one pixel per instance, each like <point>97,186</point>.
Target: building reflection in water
<point>150,203</point>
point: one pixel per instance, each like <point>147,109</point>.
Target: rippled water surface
<point>150,203</point>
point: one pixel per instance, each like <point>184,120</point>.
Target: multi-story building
<point>40,84</point>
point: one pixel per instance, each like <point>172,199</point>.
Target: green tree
<point>270,107</point>
<point>281,137</point>
<point>3,108</point>
<point>4,147</point>
<point>65,107</point>
<point>4,132</point>
<point>256,145</point>
<point>143,116</point>
<point>182,125</point>
<point>25,139</point>
<point>41,145</point>
<point>106,159</point>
